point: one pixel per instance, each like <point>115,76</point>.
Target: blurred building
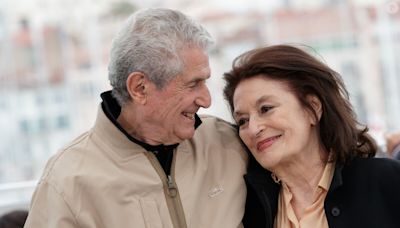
<point>360,42</point>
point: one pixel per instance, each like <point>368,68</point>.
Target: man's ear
<point>315,103</point>
<point>136,86</point>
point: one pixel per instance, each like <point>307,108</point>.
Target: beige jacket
<point>102,179</point>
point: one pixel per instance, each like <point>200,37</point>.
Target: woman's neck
<point>302,176</point>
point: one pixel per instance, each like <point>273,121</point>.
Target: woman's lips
<point>267,142</point>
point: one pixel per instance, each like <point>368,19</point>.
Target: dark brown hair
<point>338,128</point>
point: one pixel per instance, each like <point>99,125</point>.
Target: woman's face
<point>272,123</point>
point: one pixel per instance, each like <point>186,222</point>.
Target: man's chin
<point>186,134</point>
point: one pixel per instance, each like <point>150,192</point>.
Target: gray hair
<point>150,42</point>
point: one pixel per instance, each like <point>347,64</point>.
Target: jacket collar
<point>112,110</point>
<point>258,175</point>
<point>267,190</point>
<point>112,138</point>
<point>337,180</point>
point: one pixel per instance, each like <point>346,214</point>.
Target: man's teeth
<point>189,115</point>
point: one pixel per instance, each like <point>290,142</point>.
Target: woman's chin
<point>267,163</point>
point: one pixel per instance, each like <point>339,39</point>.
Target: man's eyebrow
<point>198,79</point>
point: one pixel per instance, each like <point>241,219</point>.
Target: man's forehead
<point>196,73</point>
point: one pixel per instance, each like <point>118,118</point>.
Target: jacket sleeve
<point>49,209</point>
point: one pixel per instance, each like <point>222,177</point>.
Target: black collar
<point>112,110</point>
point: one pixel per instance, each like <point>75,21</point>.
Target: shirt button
<point>335,211</point>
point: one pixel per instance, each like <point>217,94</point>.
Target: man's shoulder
<point>217,123</point>
<point>216,128</point>
<point>218,131</point>
<point>217,134</point>
<point>67,160</point>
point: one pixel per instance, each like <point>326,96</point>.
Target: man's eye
<point>265,108</point>
<point>196,83</point>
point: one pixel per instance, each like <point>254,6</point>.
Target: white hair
<point>150,42</point>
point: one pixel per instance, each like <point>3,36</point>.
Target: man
<point>149,160</point>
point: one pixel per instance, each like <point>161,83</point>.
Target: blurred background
<point>54,55</point>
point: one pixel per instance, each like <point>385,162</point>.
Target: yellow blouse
<point>315,213</point>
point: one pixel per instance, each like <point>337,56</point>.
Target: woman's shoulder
<point>382,168</point>
<point>379,163</point>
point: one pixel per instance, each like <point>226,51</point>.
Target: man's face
<point>171,110</point>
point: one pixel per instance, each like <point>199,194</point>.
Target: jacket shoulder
<point>377,165</point>
<point>383,172</point>
<point>67,160</point>
<point>215,130</point>
<point>218,124</point>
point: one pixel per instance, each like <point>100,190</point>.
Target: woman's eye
<point>265,108</point>
<point>240,122</point>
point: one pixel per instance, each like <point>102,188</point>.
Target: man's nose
<point>204,99</point>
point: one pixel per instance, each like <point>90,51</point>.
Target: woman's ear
<point>136,85</point>
<point>316,105</point>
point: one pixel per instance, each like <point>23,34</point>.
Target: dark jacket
<point>364,193</point>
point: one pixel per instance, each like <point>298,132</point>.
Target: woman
<point>312,164</point>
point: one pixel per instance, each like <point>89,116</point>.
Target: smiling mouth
<point>267,142</point>
<point>188,115</point>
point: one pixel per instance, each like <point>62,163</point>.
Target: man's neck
<point>112,110</point>
<point>126,120</point>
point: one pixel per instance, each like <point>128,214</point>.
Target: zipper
<point>171,192</point>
